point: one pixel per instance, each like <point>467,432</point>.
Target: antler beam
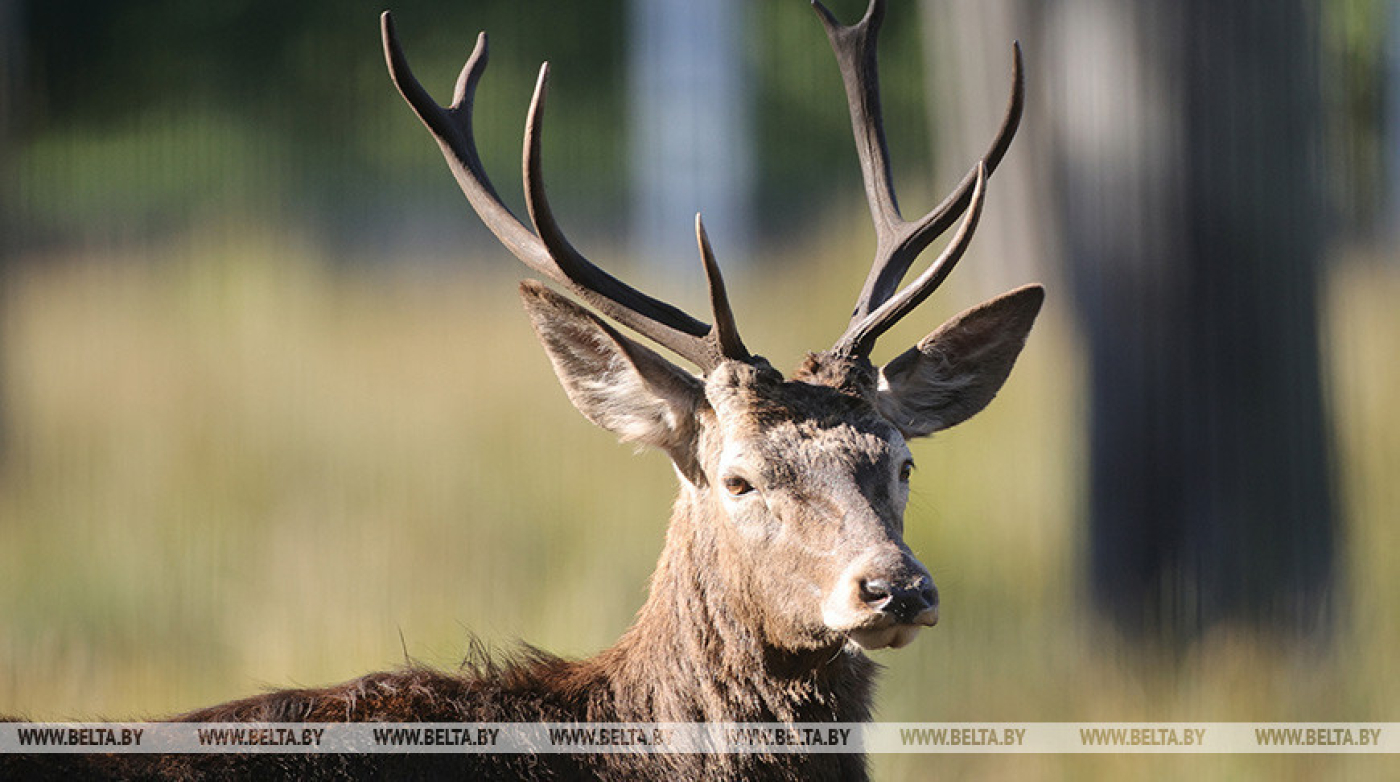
<point>898,241</point>
<point>545,249</point>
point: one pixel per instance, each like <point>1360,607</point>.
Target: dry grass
<point>231,467</point>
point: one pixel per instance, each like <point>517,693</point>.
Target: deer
<point>784,562</point>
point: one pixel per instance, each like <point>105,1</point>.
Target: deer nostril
<point>875,592</point>
<point>901,602</point>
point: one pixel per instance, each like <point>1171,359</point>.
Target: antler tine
<point>885,277</point>
<point>546,250</point>
<point>860,338</point>
<point>898,241</point>
<point>725,333</point>
<point>452,129</point>
<point>656,320</point>
<point>943,215</point>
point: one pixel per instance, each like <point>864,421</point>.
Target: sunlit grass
<point>230,465</point>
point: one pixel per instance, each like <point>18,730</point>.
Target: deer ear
<point>616,383</point>
<point>955,371</point>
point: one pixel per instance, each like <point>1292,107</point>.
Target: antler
<point>898,241</point>
<point>545,249</point>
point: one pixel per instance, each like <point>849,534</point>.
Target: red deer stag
<point>784,559</point>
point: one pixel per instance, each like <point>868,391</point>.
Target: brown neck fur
<point>696,651</point>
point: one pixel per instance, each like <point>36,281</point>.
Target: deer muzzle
<point>882,600</point>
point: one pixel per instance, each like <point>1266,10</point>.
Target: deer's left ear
<point>955,371</point>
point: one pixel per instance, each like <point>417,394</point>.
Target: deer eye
<point>906,470</point>
<point>736,486</point>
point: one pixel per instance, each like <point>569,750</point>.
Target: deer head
<point>792,489</point>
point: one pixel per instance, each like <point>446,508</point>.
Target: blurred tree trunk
<point>1185,152</point>
<point>1191,209</point>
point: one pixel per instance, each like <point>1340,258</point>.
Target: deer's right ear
<point>616,383</point>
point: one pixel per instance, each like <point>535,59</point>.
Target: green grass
<point>230,466</point>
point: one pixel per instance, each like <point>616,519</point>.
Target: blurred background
<point>270,414</point>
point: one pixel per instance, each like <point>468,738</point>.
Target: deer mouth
<point>883,631</point>
<point>892,637</point>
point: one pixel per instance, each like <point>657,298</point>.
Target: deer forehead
<point>793,432</point>
<point>805,442</point>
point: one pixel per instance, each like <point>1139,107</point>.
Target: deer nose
<point>903,602</point>
<point>880,592</point>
